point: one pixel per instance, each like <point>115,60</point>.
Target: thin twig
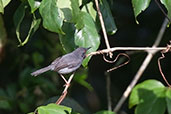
<point>114,68</point>
<point>146,49</point>
<point>103,27</point>
<point>64,93</point>
<point>143,66</point>
<point>159,63</point>
<point>108,81</point>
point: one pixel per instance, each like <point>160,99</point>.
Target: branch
<point>64,93</point>
<point>144,65</point>
<point>146,49</point>
<point>103,28</point>
<point>108,81</point>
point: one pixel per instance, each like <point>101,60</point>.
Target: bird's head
<point>81,52</point>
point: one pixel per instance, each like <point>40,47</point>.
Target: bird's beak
<point>88,48</point>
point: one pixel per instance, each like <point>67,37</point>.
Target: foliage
<point>77,24</point>
<point>151,97</point>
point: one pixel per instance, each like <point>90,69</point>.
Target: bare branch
<point>103,27</point>
<point>108,81</point>
<point>144,65</point>
<point>146,49</point>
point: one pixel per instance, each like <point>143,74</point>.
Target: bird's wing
<point>56,61</point>
<point>63,63</point>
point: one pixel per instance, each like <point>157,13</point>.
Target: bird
<point>65,64</point>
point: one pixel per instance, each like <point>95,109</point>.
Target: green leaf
<point>134,98</point>
<point>75,10</point>
<point>31,113</point>
<point>105,112</point>
<point>139,6</point>
<point>4,104</point>
<point>69,102</point>
<point>90,9</point>
<point>18,18</point>
<point>54,109</point>
<point>87,36</point>
<point>34,5</point>
<point>167,4</point>
<point>151,101</point>
<point>67,40</point>
<point>168,100</point>
<point>34,26</point>
<point>65,7</point>
<point>51,15</point>
<point>1,7</point>
<point>5,2</point>
<point>80,77</point>
<point>107,17</point>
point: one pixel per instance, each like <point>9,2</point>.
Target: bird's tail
<point>40,71</point>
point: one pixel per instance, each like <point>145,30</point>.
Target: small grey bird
<point>66,64</point>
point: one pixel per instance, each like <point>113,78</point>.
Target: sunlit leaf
<point>105,112</point>
<point>65,7</point>
<point>54,109</point>
<point>34,5</point>
<point>87,36</point>
<point>3,4</point>
<point>90,9</point>
<point>50,13</point>
<point>139,6</point>
<point>1,7</point>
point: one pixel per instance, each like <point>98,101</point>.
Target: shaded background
<point>24,93</point>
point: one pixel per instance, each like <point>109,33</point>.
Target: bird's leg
<point>66,82</point>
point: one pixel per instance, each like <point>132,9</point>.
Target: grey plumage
<point>65,64</point>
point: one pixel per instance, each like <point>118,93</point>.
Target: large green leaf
<point>168,100</point>
<point>54,109</point>
<point>151,101</point>
<point>139,6</point>
<point>87,36</point>
<point>76,14</point>
<point>105,112</point>
<point>51,14</point>
<point>149,96</point>
<point>34,5</point>
<point>107,17</point>
<point>65,7</point>
<point>167,4</point>
<point>148,84</point>
<point>90,9</point>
